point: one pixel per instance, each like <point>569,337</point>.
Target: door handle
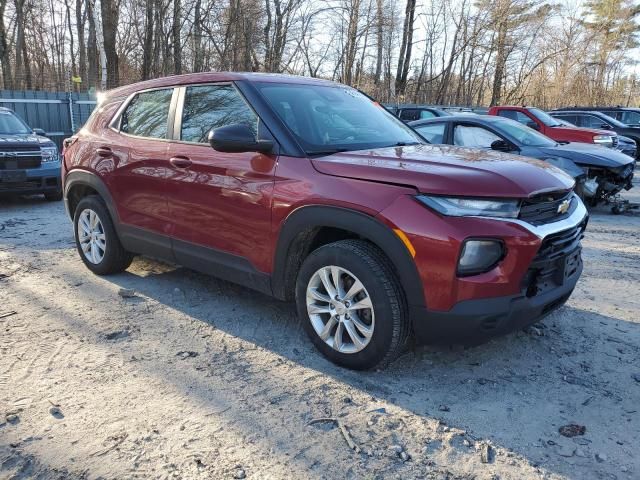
<point>104,151</point>
<point>180,162</point>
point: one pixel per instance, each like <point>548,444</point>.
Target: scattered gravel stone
<point>572,430</point>
<point>485,453</point>
<point>186,354</point>
<point>56,412</point>
<point>405,457</point>
<point>444,408</point>
<point>466,443</point>
<point>566,450</point>
<point>636,377</point>
<point>127,293</point>
<point>117,335</point>
<point>239,474</point>
<point>12,418</point>
<point>601,457</point>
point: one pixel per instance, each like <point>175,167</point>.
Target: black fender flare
<point>299,226</point>
<point>77,178</point>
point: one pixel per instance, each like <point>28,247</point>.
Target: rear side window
<point>211,106</point>
<point>433,133</point>
<point>515,115</point>
<point>567,118</point>
<point>426,114</point>
<point>147,114</point>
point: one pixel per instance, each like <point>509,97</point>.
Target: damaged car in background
<point>600,173</point>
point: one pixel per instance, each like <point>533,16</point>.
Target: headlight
<point>49,154</point>
<point>606,140</point>
<point>479,256</point>
<point>467,207</point>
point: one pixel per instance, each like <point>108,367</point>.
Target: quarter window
<point>469,136</point>
<point>147,114</point>
<point>207,107</point>
<point>592,121</point>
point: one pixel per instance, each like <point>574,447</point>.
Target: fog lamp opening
<point>479,256</point>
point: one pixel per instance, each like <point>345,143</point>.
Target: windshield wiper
<point>322,153</point>
<point>402,144</point>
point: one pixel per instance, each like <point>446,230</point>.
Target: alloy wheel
<point>91,236</point>
<point>340,309</point>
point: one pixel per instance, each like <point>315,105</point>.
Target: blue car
<point>29,161</point>
<point>600,172</point>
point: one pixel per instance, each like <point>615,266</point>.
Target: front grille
<point>20,160</point>
<point>546,208</point>
<point>558,259</point>
<point>14,186</point>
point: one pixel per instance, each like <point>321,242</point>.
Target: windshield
<point>544,117</point>
<point>525,136</point>
<point>11,124</point>
<point>328,119</point>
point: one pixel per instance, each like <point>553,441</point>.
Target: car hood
<point>448,170</point>
<point>590,131</point>
<point>11,140</point>
<point>589,155</point>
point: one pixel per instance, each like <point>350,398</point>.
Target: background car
<point>29,161</point>
<point>626,145</point>
<point>607,171</point>
<point>543,122</point>
<point>628,115</point>
<point>593,119</point>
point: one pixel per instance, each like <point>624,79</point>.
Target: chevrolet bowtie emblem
<point>564,206</point>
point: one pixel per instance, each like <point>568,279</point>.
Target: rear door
<point>220,203</point>
<point>137,183</point>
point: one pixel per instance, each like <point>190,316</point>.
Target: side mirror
<point>605,126</point>
<point>533,125</point>
<point>237,138</point>
<point>40,132</point>
<point>501,146</point>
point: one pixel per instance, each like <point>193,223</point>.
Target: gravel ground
<point>198,378</point>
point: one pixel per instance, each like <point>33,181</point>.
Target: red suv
<point>307,190</point>
<point>553,128</point>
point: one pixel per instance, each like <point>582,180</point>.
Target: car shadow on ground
<point>492,390</point>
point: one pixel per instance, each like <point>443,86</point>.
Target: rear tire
<point>96,239</point>
<point>369,336</point>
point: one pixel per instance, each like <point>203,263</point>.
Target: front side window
<point>591,121</point>
<point>426,114</point>
<point>433,132</point>
<point>544,117</point>
<point>147,114</point>
<point>476,137</point>
<point>326,118</point>
<point>207,107</point>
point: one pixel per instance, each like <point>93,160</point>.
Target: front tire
<point>96,239</point>
<point>351,305</point>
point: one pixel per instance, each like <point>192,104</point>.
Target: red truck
<point>551,127</point>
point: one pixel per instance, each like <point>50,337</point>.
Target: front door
<point>220,203</point>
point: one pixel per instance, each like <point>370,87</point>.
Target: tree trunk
<point>109,11</point>
<point>92,47</point>
<point>501,60</point>
<point>175,33</point>
<point>5,56</point>
<point>379,39</point>
<point>147,47</point>
<point>404,61</point>
<point>82,51</point>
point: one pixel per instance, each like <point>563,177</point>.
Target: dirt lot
<point>198,378</point>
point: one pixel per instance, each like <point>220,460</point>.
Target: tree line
<point>459,52</point>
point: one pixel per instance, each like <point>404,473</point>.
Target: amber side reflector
<point>406,241</point>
